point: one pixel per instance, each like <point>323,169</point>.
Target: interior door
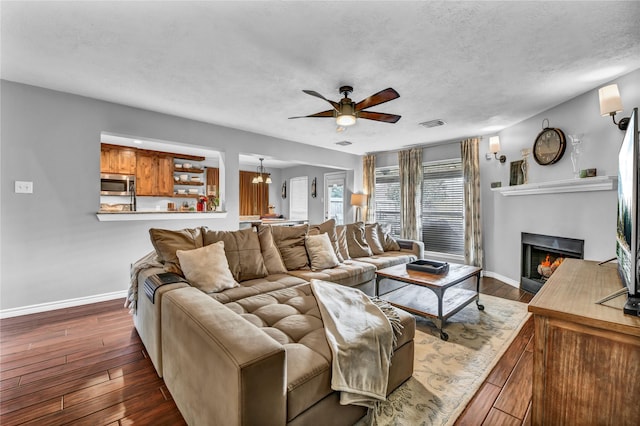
<point>334,193</point>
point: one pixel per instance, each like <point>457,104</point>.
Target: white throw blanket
<point>361,339</point>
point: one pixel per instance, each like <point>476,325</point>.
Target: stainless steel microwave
<point>117,184</point>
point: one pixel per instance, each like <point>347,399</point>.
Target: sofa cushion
<point>258,286</point>
<point>291,317</point>
<point>341,232</point>
<point>328,227</point>
<point>290,243</point>
<point>350,273</point>
<point>389,258</point>
<point>321,252</point>
<point>206,268</point>
<point>270,253</point>
<point>167,242</point>
<point>372,235</point>
<point>243,252</point>
<point>356,241</point>
<point>388,242</point>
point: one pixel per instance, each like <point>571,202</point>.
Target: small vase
<point>576,141</point>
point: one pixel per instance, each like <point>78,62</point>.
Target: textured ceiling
<point>475,65</point>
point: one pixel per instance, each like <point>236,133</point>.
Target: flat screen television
<point>628,224</point>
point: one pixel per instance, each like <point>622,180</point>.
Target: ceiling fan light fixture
<point>346,120</point>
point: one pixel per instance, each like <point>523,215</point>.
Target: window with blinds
<point>442,205</point>
<point>298,199</point>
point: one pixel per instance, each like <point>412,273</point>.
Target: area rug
<point>448,374</point>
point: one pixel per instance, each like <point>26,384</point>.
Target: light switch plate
<point>23,187</point>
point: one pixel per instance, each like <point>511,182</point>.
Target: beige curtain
<point>473,254</point>
<point>369,183</point>
<point>410,162</point>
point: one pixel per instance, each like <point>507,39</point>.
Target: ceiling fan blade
<point>377,99</point>
<point>328,113</point>
<point>318,95</point>
<point>379,116</point>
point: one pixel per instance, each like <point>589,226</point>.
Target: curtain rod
<point>424,146</point>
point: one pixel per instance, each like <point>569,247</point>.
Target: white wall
<point>590,216</point>
<point>52,247</point>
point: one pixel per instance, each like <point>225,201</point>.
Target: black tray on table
<point>429,266</point>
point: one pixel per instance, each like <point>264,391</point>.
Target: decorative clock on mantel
<point>549,145</point>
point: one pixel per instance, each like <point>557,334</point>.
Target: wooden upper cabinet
<point>165,175</point>
<point>146,182</point>
<point>154,174</point>
<point>117,160</point>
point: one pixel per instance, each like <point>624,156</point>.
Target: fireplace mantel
<point>596,183</point>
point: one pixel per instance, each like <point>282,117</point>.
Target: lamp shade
<point>494,144</point>
<point>358,200</point>
<point>610,102</point>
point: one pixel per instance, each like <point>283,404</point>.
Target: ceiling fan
<point>346,111</point>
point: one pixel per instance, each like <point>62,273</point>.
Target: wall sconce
<point>611,104</point>
<point>358,201</point>
<point>494,148</point>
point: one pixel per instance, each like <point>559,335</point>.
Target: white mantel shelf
<point>129,216</point>
<point>596,183</point>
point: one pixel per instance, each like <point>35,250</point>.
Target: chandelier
<point>261,171</point>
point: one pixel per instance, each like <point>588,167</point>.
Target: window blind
<point>442,205</point>
<point>298,196</point>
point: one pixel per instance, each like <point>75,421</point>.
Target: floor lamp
<point>358,201</point>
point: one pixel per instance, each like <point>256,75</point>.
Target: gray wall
<point>316,205</point>
<point>52,247</point>
<point>585,215</point>
<point>589,216</point>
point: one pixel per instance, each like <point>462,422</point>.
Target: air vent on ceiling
<point>343,143</point>
<point>433,123</point>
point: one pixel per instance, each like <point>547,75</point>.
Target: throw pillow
<point>290,243</point>
<point>270,253</point>
<point>372,236</point>
<point>167,242</point>
<point>321,252</point>
<point>206,268</point>
<point>341,231</point>
<point>388,242</point>
<point>328,227</point>
<point>243,252</point>
<point>356,241</point>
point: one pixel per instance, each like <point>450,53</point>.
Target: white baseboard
<point>502,278</point>
<point>50,306</point>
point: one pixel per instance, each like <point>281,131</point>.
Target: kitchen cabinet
<point>154,174</point>
<point>117,160</point>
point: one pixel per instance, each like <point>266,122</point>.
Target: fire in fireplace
<point>541,256</point>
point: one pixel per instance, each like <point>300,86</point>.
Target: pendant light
<point>258,178</point>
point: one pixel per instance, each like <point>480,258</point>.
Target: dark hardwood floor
<point>87,365</point>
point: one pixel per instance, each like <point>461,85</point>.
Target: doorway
<point>334,193</point>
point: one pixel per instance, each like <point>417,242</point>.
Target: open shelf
<point>596,183</point>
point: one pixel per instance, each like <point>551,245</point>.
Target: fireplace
<point>542,254</point>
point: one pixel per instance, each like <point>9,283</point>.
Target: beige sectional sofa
<point>255,352</point>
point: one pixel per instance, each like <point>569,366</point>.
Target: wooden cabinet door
<point>164,175</point>
<point>105,159</point>
<point>125,161</point>
<point>146,182</point>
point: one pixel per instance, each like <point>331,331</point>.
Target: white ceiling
<point>479,66</point>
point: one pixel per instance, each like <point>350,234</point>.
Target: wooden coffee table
<point>434,303</point>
